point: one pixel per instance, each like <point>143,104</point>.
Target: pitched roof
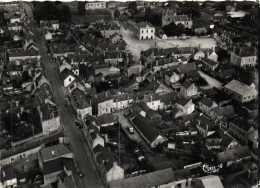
<point>211,181</point>
<point>65,73</point>
<point>209,62</point>
<point>152,179</point>
<point>239,87</point>
<point>107,158</point>
<point>53,152</point>
<point>144,126</point>
<point>186,84</point>
<point>224,110</point>
<point>207,102</point>
<point>246,51</point>
<point>105,119</point>
<point>80,99</point>
<point>48,111</point>
<point>233,154</point>
<point>143,24</point>
<point>187,68</point>
<point>104,96</point>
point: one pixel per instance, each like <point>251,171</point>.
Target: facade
<point>108,30</point>
<point>243,57</point>
<point>188,89</point>
<point>49,118</point>
<point>95,5</point>
<point>171,16</point>
<point>81,103</point>
<point>240,91</point>
<point>67,77</point>
<point>145,31</point>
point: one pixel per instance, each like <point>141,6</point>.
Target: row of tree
<point>50,11</point>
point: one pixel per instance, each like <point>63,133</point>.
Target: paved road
<point>211,81</point>
<point>82,153</point>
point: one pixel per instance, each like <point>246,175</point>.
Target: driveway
<point>125,123</point>
<point>79,147</point>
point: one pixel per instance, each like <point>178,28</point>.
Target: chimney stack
<point>115,164</point>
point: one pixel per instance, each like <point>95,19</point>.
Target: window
<point>142,31</point>
<point>151,31</point>
<point>187,183</point>
<point>12,159</point>
<point>146,31</point>
<point>70,79</point>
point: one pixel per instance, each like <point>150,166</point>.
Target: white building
<point>145,31</point>
<point>95,5</point>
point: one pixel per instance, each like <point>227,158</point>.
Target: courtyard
<point>136,46</point>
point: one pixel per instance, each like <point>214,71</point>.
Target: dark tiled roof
<point>186,84</point>
<point>49,111</point>
<point>143,24</point>
<point>206,101</point>
<point>80,99</point>
<point>233,154</point>
<point>65,73</point>
<point>104,119</point>
<point>143,125</point>
<point>187,68</point>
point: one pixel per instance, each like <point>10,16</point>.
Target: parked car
<point>131,129</point>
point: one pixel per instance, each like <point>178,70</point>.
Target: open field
<point>136,46</point>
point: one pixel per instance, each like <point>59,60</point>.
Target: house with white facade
<point>144,31</point>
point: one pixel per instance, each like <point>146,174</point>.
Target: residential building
<point>206,105</point>
<point>67,78</point>
<point>50,119</point>
<point>240,92</point>
<point>105,120</point>
<point>144,31</point>
<point>171,77</point>
<point>160,178</point>
<point>184,107</point>
<point>104,103</point>
<point>52,161</point>
<point>240,128</point>
<point>95,5</point>
<point>209,64</point>
<point>122,101</point>
<point>205,126</point>
<point>210,181</point>
<point>244,57</point>
<point>188,89</point>
<point>226,158</point>
<point>147,131</point>
<point>108,29</point>
<point>171,16</point>
<point>81,102</point>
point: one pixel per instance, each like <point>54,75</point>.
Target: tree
<point>10,122</point>
<point>25,76</point>
<point>174,30</point>
<point>64,13</point>
<point>116,13</point>
<point>81,8</point>
<point>132,7</point>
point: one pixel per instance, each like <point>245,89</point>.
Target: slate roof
<point>207,102</point>
<point>105,119</point>
<point>144,126</point>
<point>108,157</point>
<point>103,96</point>
<point>224,111</point>
<point>80,99</point>
<point>206,123</point>
<point>187,68</point>
<point>52,152</point>
<point>48,111</point>
<point>246,51</point>
<point>233,154</point>
<point>152,179</point>
<point>186,84</point>
<point>209,62</point>
<point>143,24</point>
<point>65,73</point>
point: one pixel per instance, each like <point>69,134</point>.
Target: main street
<point>79,147</point>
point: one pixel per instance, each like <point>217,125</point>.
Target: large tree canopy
<point>132,7</point>
<point>174,30</point>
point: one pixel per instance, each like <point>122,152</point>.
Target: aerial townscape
<point>110,94</point>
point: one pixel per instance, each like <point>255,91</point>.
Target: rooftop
<point>240,88</point>
<point>53,152</point>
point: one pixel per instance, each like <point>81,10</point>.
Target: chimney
<point>52,153</point>
<point>106,93</point>
<point>115,164</point>
<point>207,127</point>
